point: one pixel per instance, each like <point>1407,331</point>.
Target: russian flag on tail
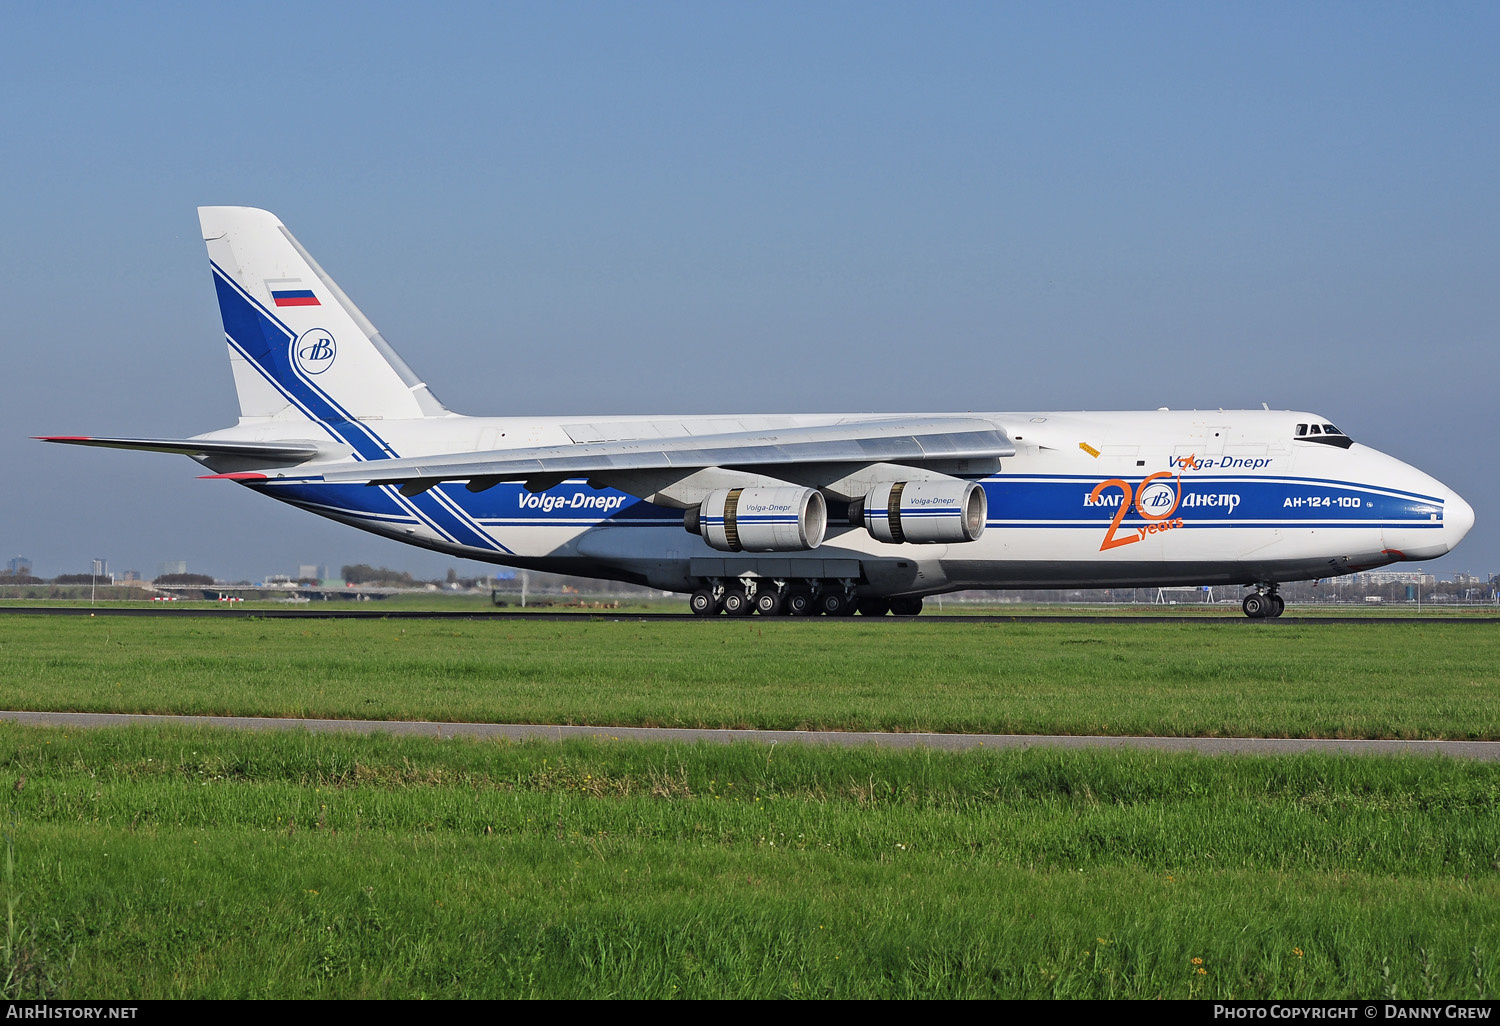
<point>289,292</point>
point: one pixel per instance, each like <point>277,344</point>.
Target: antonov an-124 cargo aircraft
<point>778,513</point>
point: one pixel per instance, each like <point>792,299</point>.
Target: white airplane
<point>823,513</point>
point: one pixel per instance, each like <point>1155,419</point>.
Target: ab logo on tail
<point>315,350</point>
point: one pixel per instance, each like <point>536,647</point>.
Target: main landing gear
<point>1263,603</point>
<point>833,597</point>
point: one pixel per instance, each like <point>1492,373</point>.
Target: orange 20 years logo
<point>1155,501</point>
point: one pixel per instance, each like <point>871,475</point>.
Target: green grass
<point>176,863</point>
<point>199,863</point>
<point>1329,680</point>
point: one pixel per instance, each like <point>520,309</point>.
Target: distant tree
<point>75,579</point>
<point>6,577</point>
<point>363,573</point>
<point>203,579</point>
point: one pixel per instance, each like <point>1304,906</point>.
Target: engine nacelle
<point>925,512</point>
<point>760,519</point>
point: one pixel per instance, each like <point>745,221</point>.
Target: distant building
<point>178,566</point>
<point>130,577</point>
<point>18,566</point>
<point>1378,577</point>
<point>311,572</point>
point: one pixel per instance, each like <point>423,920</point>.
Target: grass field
<point>169,862</point>
<point>161,863</point>
<point>1333,680</point>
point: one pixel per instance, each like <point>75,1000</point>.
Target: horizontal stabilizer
<point>907,440</point>
<point>271,452</point>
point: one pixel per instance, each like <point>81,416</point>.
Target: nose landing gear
<point>1263,603</point>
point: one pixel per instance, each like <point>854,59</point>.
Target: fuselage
<point>780,513</point>
<point>1088,500</point>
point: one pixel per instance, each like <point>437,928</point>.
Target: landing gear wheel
<point>874,607</point>
<point>737,603</point>
<point>767,603</point>
<point>703,603</point>
<point>835,603</point>
<point>907,606</point>
<point>1257,607</point>
<point>799,602</point>
<point>1278,605</point>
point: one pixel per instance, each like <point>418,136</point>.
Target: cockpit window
<point>1325,434</point>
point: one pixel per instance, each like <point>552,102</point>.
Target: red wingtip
<point>244,476</point>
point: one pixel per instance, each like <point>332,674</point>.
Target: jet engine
<point>760,519</point>
<point>923,512</point>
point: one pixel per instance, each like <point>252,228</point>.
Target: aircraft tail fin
<point>299,348</point>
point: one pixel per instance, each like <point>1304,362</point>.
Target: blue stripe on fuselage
<point>1029,503</point>
<point>1208,500</point>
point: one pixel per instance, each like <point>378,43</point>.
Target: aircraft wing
<point>274,452</point>
<point>903,440</point>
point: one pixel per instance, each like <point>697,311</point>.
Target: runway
<point>1484,751</point>
<point>1228,616</point>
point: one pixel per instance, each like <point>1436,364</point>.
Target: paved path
<point>1488,751</point>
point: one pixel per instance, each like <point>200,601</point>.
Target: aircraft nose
<point>1458,517</point>
<point>1436,518</point>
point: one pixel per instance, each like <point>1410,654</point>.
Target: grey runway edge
<point>1484,751</point>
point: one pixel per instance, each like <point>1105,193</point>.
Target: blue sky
<point>588,208</point>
